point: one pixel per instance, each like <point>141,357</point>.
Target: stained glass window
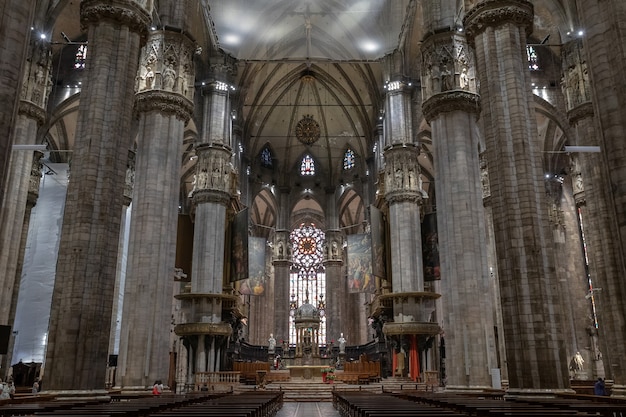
<point>307,167</point>
<point>307,280</point>
<point>79,58</point>
<point>348,159</point>
<point>266,157</point>
<point>532,58</point>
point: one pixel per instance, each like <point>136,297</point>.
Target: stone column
<point>604,176</point>
<point>214,186</point>
<point>282,262</point>
<point>16,19</point>
<point>530,300</point>
<point>591,193</point>
<point>86,268</point>
<point>164,109</point>
<point>336,294</point>
<point>31,116</point>
<point>467,309</point>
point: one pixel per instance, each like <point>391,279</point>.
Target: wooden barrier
<point>249,371</point>
<point>206,379</point>
<point>360,372</point>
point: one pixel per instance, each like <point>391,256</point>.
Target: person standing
<point>599,387</point>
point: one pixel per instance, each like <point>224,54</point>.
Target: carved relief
<point>575,81</point>
<point>37,78</point>
<point>167,64</point>
<point>402,174</point>
<point>213,171</point>
<point>447,64</point>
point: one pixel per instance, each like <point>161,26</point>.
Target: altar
<point>306,371</point>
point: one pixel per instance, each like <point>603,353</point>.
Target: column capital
<point>403,181</point>
<point>451,101</point>
<point>492,13</point>
<point>33,111</point>
<point>214,179</point>
<point>578,113</point>
<point>164,102</point>
<point>128,12</point>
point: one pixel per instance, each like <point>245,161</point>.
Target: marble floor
<point>305,409</point>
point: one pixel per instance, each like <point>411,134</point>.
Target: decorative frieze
<point>128,12</point>
<point>578,113</point>
<point>456,100</point>
<point>164,103</point>
<point>492,13</point>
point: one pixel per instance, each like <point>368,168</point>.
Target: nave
<point>307,409</point>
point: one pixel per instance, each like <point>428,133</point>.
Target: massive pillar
<point>409,305</point>
<point>164,105</point>
<point>36,86</point>
<point>86,268</point>
<point>452,111</point>
<point>16,17</point>
<point>205,327</point>
<point>605,189</point>
<point>534,340</point>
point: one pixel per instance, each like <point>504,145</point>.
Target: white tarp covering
<point>40,258</point>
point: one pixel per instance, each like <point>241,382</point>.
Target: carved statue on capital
<point>484,177</point>
<point>447,64</point>
<point>281,246</point>
<point>575,80</point>
<point>37,78</point>
<point>213,171</point>
<point>166,64</point>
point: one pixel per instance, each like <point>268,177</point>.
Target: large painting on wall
<point>239,259</point>
<point>377,228</point>
<point>360,276</point>
<point>430,248</point>
<point>256,282</point>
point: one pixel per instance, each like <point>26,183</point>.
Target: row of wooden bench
<point>257,404</point>
<point>364,404</point>
<point>489,406</point>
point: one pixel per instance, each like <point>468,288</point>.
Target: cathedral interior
<point>188,185</point>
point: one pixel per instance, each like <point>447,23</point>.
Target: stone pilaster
<point>164,109</point>
<point>16,19</point>
<point>86,268</point>
<point>605,182</point>
<point>452,114</point>
<point>535,348</point>
<point>31,116</point>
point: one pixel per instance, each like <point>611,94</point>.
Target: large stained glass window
<point>348,159</point>
<point>79,58</point>
<point>266,157</point>
<point>532,58</point>
<point>307,280</point>
<point>307,167</point>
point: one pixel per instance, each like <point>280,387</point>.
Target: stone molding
<point>493,13</point>
<point>455,100</point>
<point>411,327</point>
<point>127,12</point>
<point>215,329</point>
<point>210,196</point>
<point>578,113</point>
<point>164,102</point>
<point>30,109</point>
